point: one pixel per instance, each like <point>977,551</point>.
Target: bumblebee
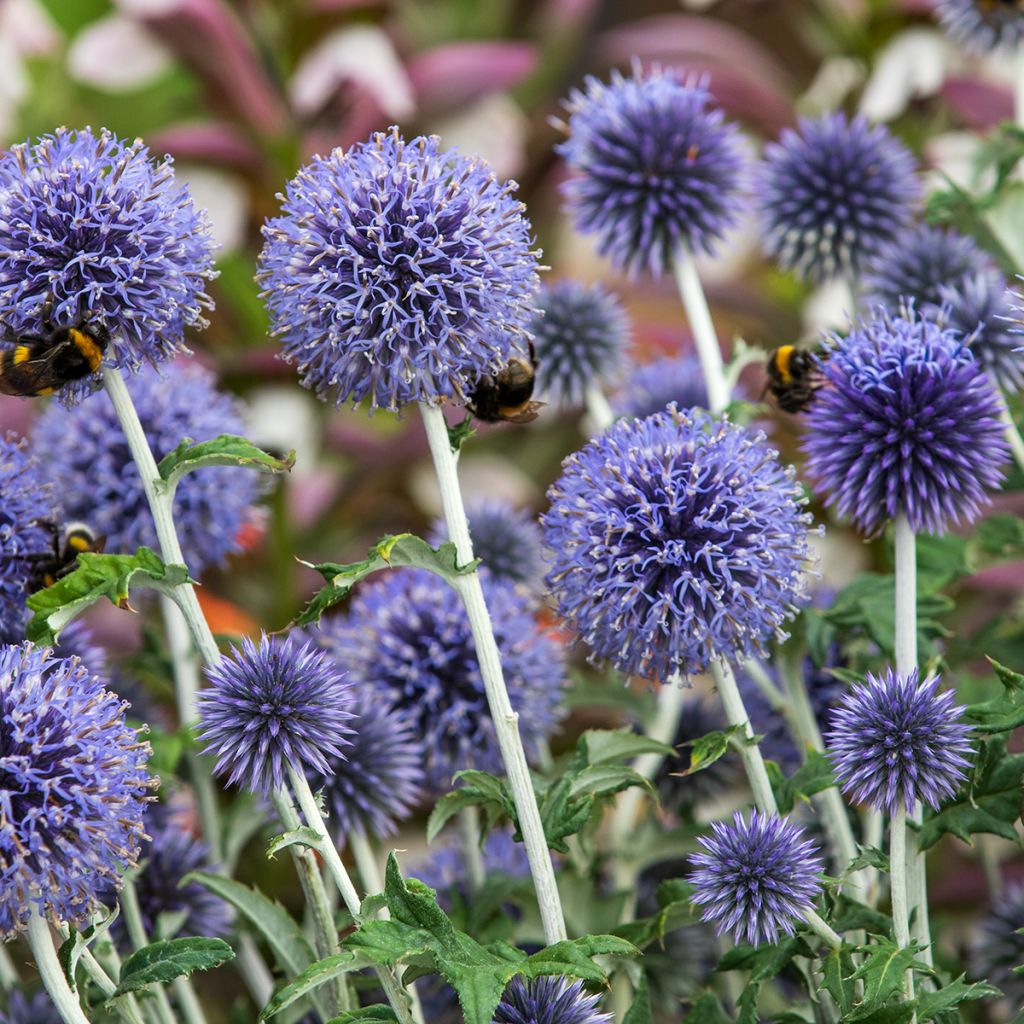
<point>39,364</point>
<point>69,542</point>
<point>793,377</point>
<point>506,396</point>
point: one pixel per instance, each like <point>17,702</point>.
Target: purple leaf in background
<point>457,73</point>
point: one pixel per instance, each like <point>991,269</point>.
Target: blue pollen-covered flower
<point>915,265</point>
<point>549,1000</point>
<point>907,422</point>
<point>999,945</point>
<point>398,271</point>
<point>35,1009</point>
<point>651,387</point>
<point>580,341</point>
<point>982,25</point>
<point>93,231</point>
<point>274,706</point>
<point>83,453</point>
<point>655,168</point>
<point>833,193</point>
<point>506,539</point>
<point>755,879</point>
<point>73,787</point>
<point>407,637</point>
<point>897,740</point>
<point>675,540</point>
<point>376,782</point>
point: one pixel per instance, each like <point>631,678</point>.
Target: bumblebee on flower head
<point>794,377</point>
<point>40,364</point>
<point>506,397</point>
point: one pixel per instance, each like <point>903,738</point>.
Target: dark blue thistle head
<point>755,878</point>
<point>549,1000</point>
<point>651,387</point>
<point>506,539</point>
<point>73,788</point>
<point>915,265</point>
<point>407,639</point>
<point>37,1008</point>
<point>92,230</point>
<point>908,422</point>
<point>674,540</point>
<point>897,740</point>
<point>655,168</point>
<point>833,193</point>
<point>580,341</point>
<point>982,25</point>
<point>998,946</point>
<point>275,706</point>
<point>398,271</point>
<point>83,453</point>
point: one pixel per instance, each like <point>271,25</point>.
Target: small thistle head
<point>998,947</point>
<point>652,387</point>
<point>549,1000</point>
<point>982,25</point>
<point>896,740</point>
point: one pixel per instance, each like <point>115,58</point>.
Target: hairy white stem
<point>771,693</point>
<point>598,409</point>
<point>821,929</point>
<point>506,720</point>
<point>254,971</point>
<point>127,1006</point>
<point>129,901</point>
<point>898,884</point>
<point>469,824</point>
<point>8,972</point>
<point>56,984</point>
<point>703,330</point>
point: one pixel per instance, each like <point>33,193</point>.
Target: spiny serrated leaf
<point>366,1015</point>
<point>850,916</point>
<point>640,1011</point>
<point>837,973</point>
<point>931,1004</point>
<point>813,776</point>
<point>168,959</point>
<point>403,549</point>
<point>869,857</point>
<point>223,450</point>
<point>883,971</point>
<point>705,751</point>
<point>764,962</point>
<point>476,788</point>
<point>315,975</point>
<point>1005,712</point>
<point>892,1013</point>
<point>302,836</point>
<point>96,577</point>
<point>460,433</point>
<point>707,1010</point>
<point>78,942</point>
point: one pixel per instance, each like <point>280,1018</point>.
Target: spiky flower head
<point>73,787</point>
<point>908,422</point>
<point>656,169</point>
<point>398,271</point>
<point>674,540</point>
<point>83,453</point>
<point>651,387</point>
<point>277,706</point>
<point>37,1008</point>
<point>549,1000</point>
<point>916,263</point>
<point>755,878</point>
<point>407,638</point>
<point>982,25</point>
<point>999,945</point>
<point>897,739</point>
<point>93,231</point>
<point>832,193</point>
<point>580,340</point>
<point>506,539</point>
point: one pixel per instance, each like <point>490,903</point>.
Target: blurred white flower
<point>493,128</point>
<point>828,308</point>
<point>224,197</point>
<point>911,66</point>
<point>117,54</point>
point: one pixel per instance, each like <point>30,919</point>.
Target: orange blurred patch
<point>225,616</point>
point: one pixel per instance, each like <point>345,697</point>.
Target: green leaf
<point>169,959</point>
<point>1005,712</point>
<point>764,962</point>
<point>931,1004</point>
<point>365,1015</point>
<point>892,1013</point>
<point>640,1012</point>
<point>72,17</point>
<point>813,776</point>
<point>837,972</point>
<point>883,970</point>
<point>870,857</point>
<point>852,916</point>
<point>315,975</point>
<point>709,748</point>
<point>675,911</point>
<point>224,450</point>
<point>78,942</point>
<point>461,433</point>
<point>302,836</point>
<point>403,549</point>
<point>707,1010</point>
<point>96,577</point>
<point>605,746</point>
<point>481,789</point>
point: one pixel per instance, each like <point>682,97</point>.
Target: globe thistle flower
<point>674,540</point>
<point>506,539</point>
<point>898,740</point>
<point>83,453</point>
<point>548,1000</point>
<point>908,422</point>
<point>77,641</point>
<point>73,787</point>
<point>407,639</point>
<point>375,783</point>
<point>27,514</point>
<point>277,706</point>
<point>756,878</point>
<point>398,271</point>
<point>982,27</point>
<point>833,193</point>
<point>998,948</point>
<point>580,340</point>
<point>650,387</point>
<point>916,263</point>
<point>656,170</point>
<point>92,230</point>
<point>37,1008</point>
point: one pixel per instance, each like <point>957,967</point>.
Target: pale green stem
<point>1013,438</point>
<point>254,971</point>
<point>821,929</point>
<point>56,984</point>
<point>771,693</point>
<point>988,853</point>
<point>8,972</point>
<point>874,826</point>
<point>504,717</point>
<point>898,884</point>
<point>127,1006</point>
<point>469,823</point>
<point>137,936</point>
<point>1018,86</point>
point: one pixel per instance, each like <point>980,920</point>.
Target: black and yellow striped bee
<point>507,396</point>
<point>69,541</point>
<point>794,377</point>
<point>39,364</point>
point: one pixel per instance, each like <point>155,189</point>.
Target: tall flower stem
<point>898,884</point>
<point>469,823</point>
<point>822,930</point>
<point>51,972</point>
<point>505,718</point>
<point>127,1007</point>
<point>1013,438</point>
<point>598,409</point>
<point>8,972</point>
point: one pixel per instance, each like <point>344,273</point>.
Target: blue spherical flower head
<point>73,787</point>
<point>755,879</point>
<point>83,453</point>
<point>833,193</point>
<point>670,380</point>
<point>999,945</point>
<point>271,707</point>
<point>897,740</point>
<point>398,271</point>
<point>982,25</point>
<point>407,638</point>
<point>549,1000</point>
<point>908,422</point>
<point>93,231</point>
<point>675,540</point>
<point>580,341</point>
<point>656,168</point>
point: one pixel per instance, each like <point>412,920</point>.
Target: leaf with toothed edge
<point>315,975</point>
<point>168,959</point>
<point>223,450</point>
<point>302,836</point>
<point>459,434</point>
